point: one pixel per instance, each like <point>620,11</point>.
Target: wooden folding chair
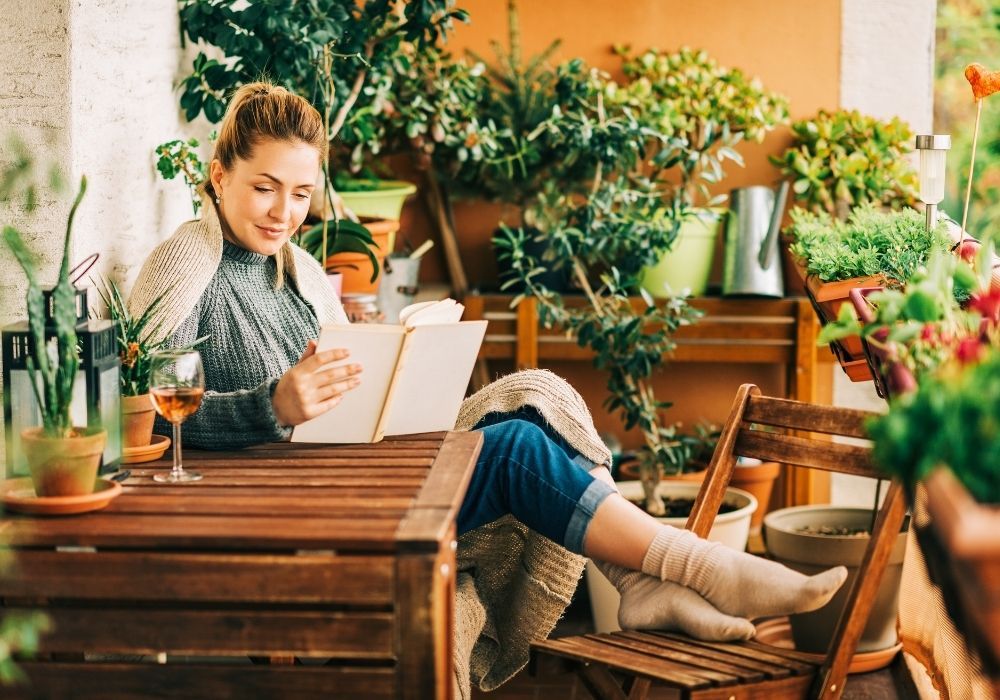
<point>626,664</point>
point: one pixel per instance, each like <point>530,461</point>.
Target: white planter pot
<point>730,529</point>
<point>813,553</point>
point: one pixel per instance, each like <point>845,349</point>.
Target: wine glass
<point>176,385</point>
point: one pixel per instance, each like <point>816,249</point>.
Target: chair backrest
<point>782,430</point>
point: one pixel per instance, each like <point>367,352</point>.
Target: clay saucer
<point>19,495</point>
<point>146,453</point>
<point>778,632</point>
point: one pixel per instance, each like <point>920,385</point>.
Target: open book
<point>414,375</point>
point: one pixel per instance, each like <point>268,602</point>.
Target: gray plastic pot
<point>812,553</point>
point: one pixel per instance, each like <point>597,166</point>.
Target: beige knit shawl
<point>514,584</point>
<point>184,264</point>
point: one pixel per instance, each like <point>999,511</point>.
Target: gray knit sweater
<point>255,334</point>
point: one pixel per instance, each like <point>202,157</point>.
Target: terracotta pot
<point>630,470</point>
<point>757,479</point>
<point>137,420</point>
<point>64,466</point>
<point>356,268</point>
<point>827,298</point>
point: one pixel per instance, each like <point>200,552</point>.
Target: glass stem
<point>178,468</point>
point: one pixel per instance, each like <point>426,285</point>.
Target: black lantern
<point>96,392</point>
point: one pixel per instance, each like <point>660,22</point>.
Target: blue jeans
<point>527,470</point>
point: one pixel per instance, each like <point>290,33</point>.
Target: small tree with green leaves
<point>608,208</point>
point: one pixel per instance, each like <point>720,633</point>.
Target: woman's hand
<point>311,387</point>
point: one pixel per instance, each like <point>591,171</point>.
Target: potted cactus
<point>63,458</point>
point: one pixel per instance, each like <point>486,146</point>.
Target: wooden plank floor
<point>888,684</point>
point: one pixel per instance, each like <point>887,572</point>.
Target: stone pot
<point>731,529</point>
<point>65,466</point>
<point>812,553</point>
<point>137,420</point>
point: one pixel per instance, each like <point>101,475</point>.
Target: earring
<point>218,199</point>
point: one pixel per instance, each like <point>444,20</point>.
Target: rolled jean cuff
<point>582,461</point>
<point>583,513</point>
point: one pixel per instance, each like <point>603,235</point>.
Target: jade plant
<point>712,108</point>
<point>890,245</point>
<point>840,160</point>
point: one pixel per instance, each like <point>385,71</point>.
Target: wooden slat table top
<point>401,494</point>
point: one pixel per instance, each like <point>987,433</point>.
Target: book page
<point>436,367</point>
<point>433,313</point>
<point>376,348</point>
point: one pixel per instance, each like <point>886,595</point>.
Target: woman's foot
<point>737,583</point>
<point>651,604</point>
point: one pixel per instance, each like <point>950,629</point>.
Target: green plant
<point>953,419</point>
<point>20,183</point>
<point>348,237</point>
<point>946,311</point>
<point>52,362</point>
<point>688,95</point>
<point>135,338</point>
<point>891,245</point>
<point>968,31</point>
<point>839,160</point>
<point>292,42</point>
<point>179,158</point>
<point>607,208</point>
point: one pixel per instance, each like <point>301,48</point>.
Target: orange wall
<point>792,46</point>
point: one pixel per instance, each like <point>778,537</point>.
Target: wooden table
<point>282,557</point>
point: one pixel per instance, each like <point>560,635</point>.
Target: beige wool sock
<point>737,583</point>
<point>651,604</point>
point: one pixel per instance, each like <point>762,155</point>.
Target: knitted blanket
<point>514,584</point>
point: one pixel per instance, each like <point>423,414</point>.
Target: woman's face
<point>265,199</point>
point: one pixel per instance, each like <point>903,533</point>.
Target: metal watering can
<point>752,265</point>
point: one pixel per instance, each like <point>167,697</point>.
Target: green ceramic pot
<point>689,263</point>
<point>384,202</point>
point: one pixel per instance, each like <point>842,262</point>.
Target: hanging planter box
<point>962,552</point>
<point>827,298</point>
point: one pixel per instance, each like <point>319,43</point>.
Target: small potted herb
<point>872,248</point>
<point>135,345</point>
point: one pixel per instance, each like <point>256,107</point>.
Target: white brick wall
<point>96,78</point>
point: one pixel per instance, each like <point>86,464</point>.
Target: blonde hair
<point>262,111</point>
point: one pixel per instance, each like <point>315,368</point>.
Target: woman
<point>235,277</point>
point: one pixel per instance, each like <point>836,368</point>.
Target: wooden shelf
<point>780,331</point>
<point>769,331</point>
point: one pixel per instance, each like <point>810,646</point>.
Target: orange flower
<point>130,356</point>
